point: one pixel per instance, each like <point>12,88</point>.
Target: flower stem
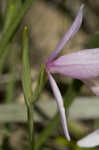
<point>31,126</point>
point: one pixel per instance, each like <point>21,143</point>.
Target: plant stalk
<point>31,126</point>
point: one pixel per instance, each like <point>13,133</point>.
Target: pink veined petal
<point>69,34</point>
<point>90,140</point>
<point>80,65</point>
<point>59,101</point>
<point>93,84</point>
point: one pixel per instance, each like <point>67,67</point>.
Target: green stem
<point>31,126</point>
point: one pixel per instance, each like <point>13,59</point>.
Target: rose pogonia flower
<point>82,65</point>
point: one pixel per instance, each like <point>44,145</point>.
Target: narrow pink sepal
<point>69,34</point>
<point>80,65</point>
<point>60,105</point>
<point>91,140</point>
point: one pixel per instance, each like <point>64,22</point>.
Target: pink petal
<point>80,65</point>
<point>69,34</point>
<point>90,140</point>
<point>59,101</point>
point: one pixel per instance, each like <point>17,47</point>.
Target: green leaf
<point>26,73</point>
<point>12,10</point>
<point>10,87</point>
<point>1,16</point>
<point>27,86</point>
<point>11,29</point>
<point>4,57</point>
<point>42,78</point>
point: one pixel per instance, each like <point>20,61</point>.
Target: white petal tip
<point>69,139</point>
<point>91,140</point>
<point>67,134</point>
<point>84,145</point>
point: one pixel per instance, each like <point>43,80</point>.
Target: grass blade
<point>42,78</point>
<point>11,29</point>
<point>26,73</point>
<point>27,86</point>
<point>12,9</point>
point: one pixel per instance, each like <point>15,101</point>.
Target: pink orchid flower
<point>82,65</point>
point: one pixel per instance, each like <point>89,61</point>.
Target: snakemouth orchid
<point>82,65</point>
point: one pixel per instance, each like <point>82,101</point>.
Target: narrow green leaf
<point>3,58</point>
<point>1,16</point>
<point>11,84</point>
<point>27,86</point>
<point>26,73</point>
<point>11,29</point>
<point>10,89</point>
<point>42,78</point>
<point>12,10</point>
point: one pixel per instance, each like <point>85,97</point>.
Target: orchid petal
<point>80,65</point>
<point>90,140</point>
<point>69,34</point>
<point>59,101</point>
